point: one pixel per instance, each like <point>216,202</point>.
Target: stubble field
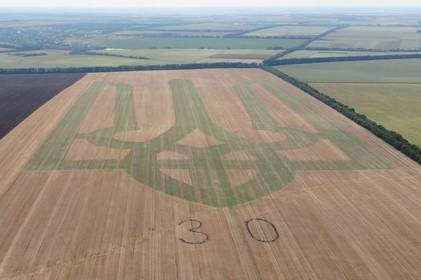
<point>202,174</point>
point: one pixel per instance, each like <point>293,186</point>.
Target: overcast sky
<point>205,3</point>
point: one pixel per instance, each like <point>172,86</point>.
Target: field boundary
<point>190,66</point>
<point>272,61</point>
<point>290,61</point>
<point>243,34</point>
<point>367,83</point>
<point>360,50</point>
<point>391,137</point>
<point>303,45</point>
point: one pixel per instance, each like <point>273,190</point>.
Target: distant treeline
<point>170,35</point>
<point>359,49</point>
<point>291,37</point>
<point>244,32</point>
<point>339,59</point>
<point>394,139</point>
<point>175,35</point>
<point>29,54</point>
<point>210,35</point>
<point>196,30</point>
<point>303,45</point>
<point>385,25</point>
<point>7,46</point>
<point>107,54</point>
<point>127,68</point>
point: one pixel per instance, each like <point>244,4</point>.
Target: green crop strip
<point>258,112</point>
<point>54,150</point>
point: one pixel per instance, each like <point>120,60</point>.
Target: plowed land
<point>20,95</point>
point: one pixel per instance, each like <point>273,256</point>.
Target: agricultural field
<point>388,92</point>
<point>210,33</point>
<point>211,26</point>
<point>378,71</point>
<point>395,106</point>
<point>355,18</point>
<point>172,33</point>
<point>198,43</point>
<point>202,174</point>
<point>290,30</point>
<point>20,95</point>
<point>175,56</point>
<point>372,37</point>
<point>55,58</point>
<point>314,54</point>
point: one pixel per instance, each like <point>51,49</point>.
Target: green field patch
<point>337,53</point>
<point>372,37</point>
<point>395,106</point>
<point>58,58</point>
<point>197,43</point>
<point>210,26</point>
<point>289,30</point>
<point>115,57</point>
<point>378,71</point>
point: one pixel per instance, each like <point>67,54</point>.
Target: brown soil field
<point>20,95</point>
<point>327,201</point>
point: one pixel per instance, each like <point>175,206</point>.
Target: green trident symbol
<point>206,171</point>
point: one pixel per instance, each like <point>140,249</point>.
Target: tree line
<point>288,61</point>
<point>359,49</point>
<point>292,37</point>
<point>243,33</point>
<point>391,137</point>
<point>127,68</point>
<point>303,45</point>
<point>108,54</point>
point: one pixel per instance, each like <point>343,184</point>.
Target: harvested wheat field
<point>203,174</point>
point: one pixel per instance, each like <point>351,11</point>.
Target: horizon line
<point>216,7</point>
